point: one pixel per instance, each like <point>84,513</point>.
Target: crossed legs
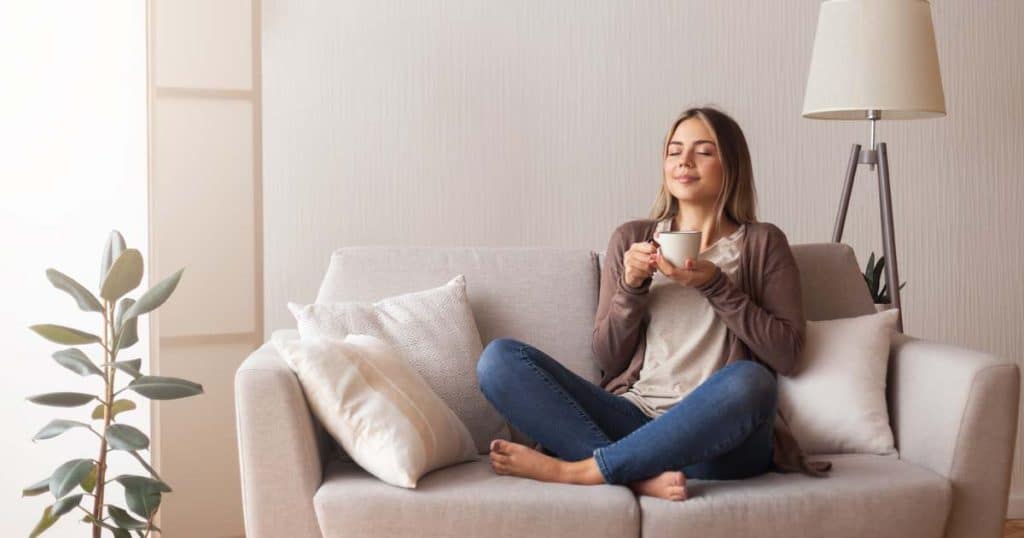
<point>720,431</point>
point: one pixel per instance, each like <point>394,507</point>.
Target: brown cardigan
<point>763,313</point>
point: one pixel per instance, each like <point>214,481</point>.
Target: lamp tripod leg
<point>844,202</point>
<point>888,235</point>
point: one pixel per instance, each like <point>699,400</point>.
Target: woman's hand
<point>692,273</point>
<point>638,263</point>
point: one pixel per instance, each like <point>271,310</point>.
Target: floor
<point>1014,528</point>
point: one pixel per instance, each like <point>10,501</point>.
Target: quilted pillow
<point>434,331</point>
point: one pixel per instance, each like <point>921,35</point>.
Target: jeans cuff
<point>601,466</point>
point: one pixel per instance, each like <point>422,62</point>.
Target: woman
<point>689,355</point>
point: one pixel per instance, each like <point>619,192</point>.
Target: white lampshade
<point>874,55</point>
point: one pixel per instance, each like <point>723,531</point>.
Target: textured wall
<point>539,123</point>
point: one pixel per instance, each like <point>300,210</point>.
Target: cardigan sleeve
<point>775,329</point>
<point>620,309</point>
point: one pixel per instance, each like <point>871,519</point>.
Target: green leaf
<point>75,360</point>
<point>123,519</point>
<point>117,407</point>
<point>872,283</point>
<point>45,522</point>
<point>57,427</point>
<point>871,264</point>
<point>115,246</point>
<point>131,481</point>
<point>143,501</point>
<point>37,489</point>
<point>64,335</point>
<point>124,276</point>
<point>879,268</point>
<point>125,437</point>
<point>142,493</point>
<point>127,334</point>
<point>130,367</point>
<point>62,399</point>
<point>121,533</point>
<point>69,475</point>
<point>66,504</point>
<point>164,388</point>
<point>155,296</point>
<point>86,300</point>
<point>89,482</point>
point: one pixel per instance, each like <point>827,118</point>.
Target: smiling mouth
<point>687,179</point>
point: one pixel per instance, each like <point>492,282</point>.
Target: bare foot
<point>515,459</point>
<point>669,485</point>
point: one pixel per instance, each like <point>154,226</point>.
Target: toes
<point>508,447</point>
<point>677,493</point>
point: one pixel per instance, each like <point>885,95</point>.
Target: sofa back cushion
<point>546,297</point>
<point>832,283</point>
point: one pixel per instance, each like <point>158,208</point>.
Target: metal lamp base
<point>873,157</point>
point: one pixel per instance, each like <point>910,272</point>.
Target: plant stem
<point>109,372</point>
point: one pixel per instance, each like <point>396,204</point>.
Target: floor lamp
<point>874,60</point>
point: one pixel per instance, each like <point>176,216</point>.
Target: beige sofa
<point>953,412</point>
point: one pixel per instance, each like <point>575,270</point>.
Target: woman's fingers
<point>644,247</point>
<point>642,267</point>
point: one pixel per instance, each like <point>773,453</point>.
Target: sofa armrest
<point>954,411</point>
<point>278,446</point>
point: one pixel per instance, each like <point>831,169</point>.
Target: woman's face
<point>693,170</point>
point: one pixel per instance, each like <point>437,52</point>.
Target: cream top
<point>685,338</point>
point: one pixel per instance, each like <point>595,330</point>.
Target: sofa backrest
<point>831,281</point>
<point>545,297</point>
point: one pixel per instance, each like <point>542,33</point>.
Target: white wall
<point>73,167</point>
<point>539,123</point>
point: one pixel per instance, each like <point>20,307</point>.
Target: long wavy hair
<point>737,199</point>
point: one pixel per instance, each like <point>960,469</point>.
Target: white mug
<point>676,247</point>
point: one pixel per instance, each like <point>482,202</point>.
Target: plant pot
<point>882,306</point>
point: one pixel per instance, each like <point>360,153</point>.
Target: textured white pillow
<point>435,332</point>
<point>835,402</point>
<point>377,407</point>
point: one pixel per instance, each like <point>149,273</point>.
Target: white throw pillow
<point>835,401</point>
<point>435,332</point>
<point>377,407</point>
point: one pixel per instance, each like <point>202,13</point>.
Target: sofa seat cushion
<point>469,499</point>
<point>865,495</point>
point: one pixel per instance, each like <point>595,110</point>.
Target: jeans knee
<point>494,362</point>
<point>758,382</point>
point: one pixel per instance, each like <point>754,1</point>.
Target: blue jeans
<point>720,431</point>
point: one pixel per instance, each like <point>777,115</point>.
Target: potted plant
<point>873,277</point>
<point>73,481</point>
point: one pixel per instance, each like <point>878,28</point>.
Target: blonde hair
<point>738,198</point>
